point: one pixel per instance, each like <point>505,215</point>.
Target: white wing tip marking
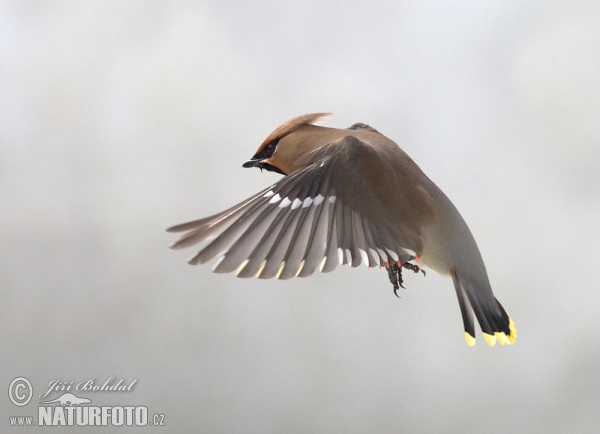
<point>275,198</point>
<point>261,268</point>
<point>269,193</point>
<point>392,254</point>
<point>285,202</point>
<point>296,203</point>
<point>300,268</point>
<point>280,269</point>
<point>241,267</point>
<point>340,255</point>
<point>332,199</point>
<point>374,254</point>
<point>318,199</point>
<point>348,256</point>
<point>364,256</point>
<point>410,252</point>
<point>307,202</point>
<point>323,264</point>
<point>214,267</point>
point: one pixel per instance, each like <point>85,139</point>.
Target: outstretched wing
<point>325,214</point>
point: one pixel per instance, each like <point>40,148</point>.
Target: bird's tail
<point>495,323</point>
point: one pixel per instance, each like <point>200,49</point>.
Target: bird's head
<point>286,145</point>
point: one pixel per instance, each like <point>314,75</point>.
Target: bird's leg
<point>395,275</point>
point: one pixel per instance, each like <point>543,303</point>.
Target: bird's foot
<point>415,268</point>
<point>395,274</point>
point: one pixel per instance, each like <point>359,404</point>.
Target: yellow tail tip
<point>470,339</point>
<point>490,339</point>
<point>513,331</point>
<point>502,338</point>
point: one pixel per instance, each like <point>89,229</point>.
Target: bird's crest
<point>291,125</point>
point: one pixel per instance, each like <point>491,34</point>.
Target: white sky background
<point>118,120</point>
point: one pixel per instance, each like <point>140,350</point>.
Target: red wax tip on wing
<point>380,266</point>
<point>417,258</point>
<point>387,265</point>
<point>399,264</point>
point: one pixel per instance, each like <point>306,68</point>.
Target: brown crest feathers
<point>291,125</point>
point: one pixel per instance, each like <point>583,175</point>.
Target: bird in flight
<point>348,197</point>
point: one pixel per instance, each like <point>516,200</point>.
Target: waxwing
<point>348,196</point>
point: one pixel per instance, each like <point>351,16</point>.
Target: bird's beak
<point>263,164</point>
<point>253,162</point>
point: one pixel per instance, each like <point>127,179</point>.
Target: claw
<point>395,274</point>
<point>413,267</point>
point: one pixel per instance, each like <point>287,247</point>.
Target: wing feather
<point>306,221</point>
